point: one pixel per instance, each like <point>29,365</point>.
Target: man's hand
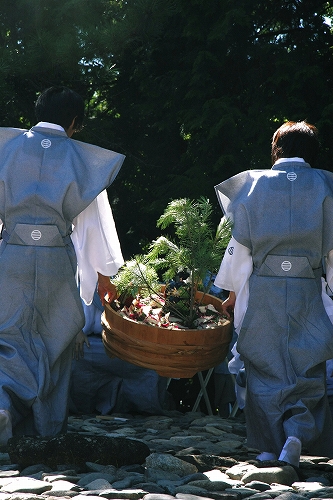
<point>228,305</point>
<point>106,290</point>
<point>80,340</point>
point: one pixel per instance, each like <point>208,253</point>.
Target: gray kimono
<point>285,217</point>
<point>46,179</point>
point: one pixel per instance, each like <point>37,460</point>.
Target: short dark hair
<point>295,139</point>
<point>60,105</point>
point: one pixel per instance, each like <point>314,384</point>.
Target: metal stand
<point>203,391</point>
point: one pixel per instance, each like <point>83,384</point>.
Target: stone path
<point>192,457</point>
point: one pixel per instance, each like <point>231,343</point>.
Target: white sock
<point>5,427</point>
<point>291,451</point>
<point>266,455</point>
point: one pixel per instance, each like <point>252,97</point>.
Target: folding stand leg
<point>235,405</point>
<point>203,391</point>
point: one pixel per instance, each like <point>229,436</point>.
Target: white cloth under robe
<point>96,244</point>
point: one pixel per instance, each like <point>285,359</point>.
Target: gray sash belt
<point>287,266</point>
<point>41,235</point>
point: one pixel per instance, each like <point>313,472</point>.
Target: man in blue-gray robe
<point>46,180</point>
<point>283,232</point>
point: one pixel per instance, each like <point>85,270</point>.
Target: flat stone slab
<point>76,449</point>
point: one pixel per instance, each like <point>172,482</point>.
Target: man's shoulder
<point>12,131</point>
<point>7,134</point>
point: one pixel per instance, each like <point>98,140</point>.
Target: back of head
<point>60,105</point>
<point>295,139</point>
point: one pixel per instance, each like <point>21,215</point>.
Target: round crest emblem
<point>36,234</point>
<point>291,176</point>
<point>46,143</point>
<point>286,265</point>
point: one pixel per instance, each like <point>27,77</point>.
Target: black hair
<point>296,139</point>
<point>60,105</point>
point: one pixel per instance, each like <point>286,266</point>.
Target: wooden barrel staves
<point>171,353</point>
